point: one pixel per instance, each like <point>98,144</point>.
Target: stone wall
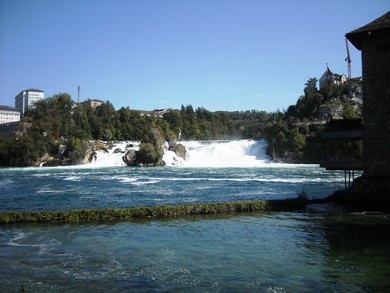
<point>376,111</point>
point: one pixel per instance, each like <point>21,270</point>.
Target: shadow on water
<point>359,250</point>
<point>246,252</point>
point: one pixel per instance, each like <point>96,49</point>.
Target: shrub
<point>147,154</point>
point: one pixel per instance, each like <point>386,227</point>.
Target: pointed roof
<point>328,70</point>
<point>380,24</point>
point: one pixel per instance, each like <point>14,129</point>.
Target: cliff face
<point>295,137</point>
<point>348,103</point>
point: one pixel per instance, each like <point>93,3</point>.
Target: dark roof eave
<point>380,24</point>
<point>356,37</point>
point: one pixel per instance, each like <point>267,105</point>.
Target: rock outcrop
<point>150,151</point>
<point>179,149</point>
<point>130,158</point>
<point>150,154</point>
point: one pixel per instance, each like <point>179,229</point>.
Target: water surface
<point>248,252</point>
<point>86,187</point>
<point>275,252</point>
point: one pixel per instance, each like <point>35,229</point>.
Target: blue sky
<point>147,54</point>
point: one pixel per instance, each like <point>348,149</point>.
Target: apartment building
<point>8,114</point>
<point>26,99</point>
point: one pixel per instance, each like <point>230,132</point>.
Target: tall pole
<point>78,94</point>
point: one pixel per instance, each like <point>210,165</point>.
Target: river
<point>309,251</point>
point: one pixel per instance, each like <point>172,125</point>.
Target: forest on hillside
<point>60,122</point>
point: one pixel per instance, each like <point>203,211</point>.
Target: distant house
<point>329,78</point>
<point>8,114</point>
<point>95,103</point>
<point>26,99</point>
<point>156,112</point>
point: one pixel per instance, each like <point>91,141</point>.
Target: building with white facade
<point>95,103</point>
<point>26,98</point>
<point>8,114</point>
<point>330,78</point>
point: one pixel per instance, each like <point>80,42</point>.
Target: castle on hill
<point>331,78</point>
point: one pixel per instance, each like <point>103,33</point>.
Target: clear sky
<point>148,54</point>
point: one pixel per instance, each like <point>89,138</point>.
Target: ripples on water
<point>69,188</point>
<point>278,252</point>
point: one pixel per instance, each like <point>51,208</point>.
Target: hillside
<point>63,130</point>
<point>296,135</point>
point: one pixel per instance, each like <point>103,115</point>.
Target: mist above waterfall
<point>218,154</point>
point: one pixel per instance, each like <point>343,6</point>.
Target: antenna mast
<point>348,59</point>
<point>78,94</point>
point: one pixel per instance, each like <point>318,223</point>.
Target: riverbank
<point>146,212</point>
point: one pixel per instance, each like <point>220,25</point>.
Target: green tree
<point>311,86</point>
<point>296,140</point>
<point>349,112</point>
<point>76,150</point>
<point>147,154</point>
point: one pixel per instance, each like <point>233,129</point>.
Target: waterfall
<point>113,156</point>
<point>235,153</point>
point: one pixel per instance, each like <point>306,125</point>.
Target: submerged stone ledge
<point>148,212</point>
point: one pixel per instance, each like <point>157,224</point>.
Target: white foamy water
<point>114,156</point>
<point>235,153</point>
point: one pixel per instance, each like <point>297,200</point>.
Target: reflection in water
<point>359,250</point>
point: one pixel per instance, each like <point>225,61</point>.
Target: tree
<point>349,112</point>
<point>147,154</point>
<point>296,140</point>
<point>275,132</point>
<point>311,86</point>
<point>76,150</point>
<point>174,119</point>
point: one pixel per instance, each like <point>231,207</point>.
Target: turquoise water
<point>279,252</point>
<point>249,252</point>
<point>69,188</point>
